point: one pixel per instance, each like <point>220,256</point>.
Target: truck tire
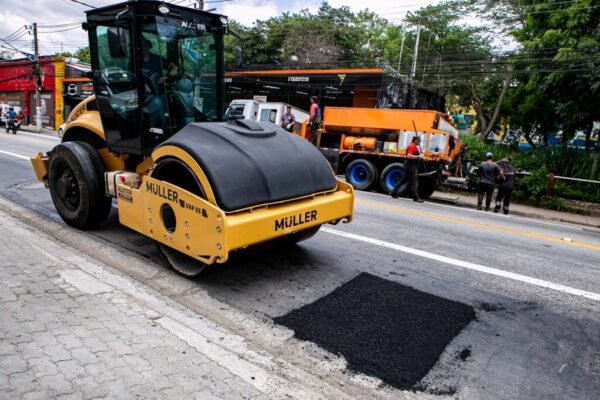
<point>426,188</point>
<point>391,175</point>
<point>361,174</point>
<point>76,182</point>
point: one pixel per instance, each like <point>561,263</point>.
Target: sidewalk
<point>33,129</point>
<point>72,327</point>
<point>64,332</point>
<point>469,200</point>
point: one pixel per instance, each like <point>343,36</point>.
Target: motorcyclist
<point>11,119</point>
<point>11,115</point>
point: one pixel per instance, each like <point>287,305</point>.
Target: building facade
<point>18,87</point>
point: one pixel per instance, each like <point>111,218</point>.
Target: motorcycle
<point>12,125</point>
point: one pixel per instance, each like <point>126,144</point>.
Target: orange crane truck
<point>368,146</point>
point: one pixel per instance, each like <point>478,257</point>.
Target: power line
<point>61,25</point>
<point>11,37</point>
<point>80,2</point>
<point>62,30</point>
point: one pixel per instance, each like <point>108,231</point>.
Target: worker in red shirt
<point>411,167</point>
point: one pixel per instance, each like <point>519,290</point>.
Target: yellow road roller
<point>153,137</point>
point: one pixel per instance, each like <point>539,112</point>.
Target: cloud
<point>247,12</point>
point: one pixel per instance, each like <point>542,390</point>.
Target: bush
<point>555,203</point>
<point>560,160</point>
<point>536,184</point>
<point>577,191</point>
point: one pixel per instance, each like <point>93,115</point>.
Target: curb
<point>33,129</point>
<point>459,203</point>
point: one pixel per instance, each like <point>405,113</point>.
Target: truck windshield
<point>180,63</point>
<point>235,110</point>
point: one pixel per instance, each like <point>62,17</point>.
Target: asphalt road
<point>535,285</point>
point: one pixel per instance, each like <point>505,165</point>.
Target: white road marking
<point>465,264</point>
<point>8,153</point>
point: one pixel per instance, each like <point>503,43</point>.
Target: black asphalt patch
<point>382,328</point>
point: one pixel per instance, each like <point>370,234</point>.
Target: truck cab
<point>248,109</point>
<point>272,112</point>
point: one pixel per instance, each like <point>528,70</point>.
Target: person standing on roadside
<point>287,119</point>
<point>411,166</point>
<point>314,119</point>
<point>489,172</point>
<point>505,185</point>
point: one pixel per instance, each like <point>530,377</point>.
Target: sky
<point>58,31</point>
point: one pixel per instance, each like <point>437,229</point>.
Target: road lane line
<point>496,228</point>
<point>8,153</point>
<point>467,265</point>
<point>440,203</point>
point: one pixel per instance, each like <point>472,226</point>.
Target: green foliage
<point>83,54</point>
<point>559,160</point>
<point>331,37</point>
<point>556,203</point>
<point>577,191</point>
<point>561,79</point>
<point>536,184</point>
<point>478,149</point>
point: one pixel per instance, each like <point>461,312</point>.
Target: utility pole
<point>425,63</point>
<point>414,66</point>
<point>402,46</point>
<point>38,109</point>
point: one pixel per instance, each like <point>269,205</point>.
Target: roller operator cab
<point>153,137</point>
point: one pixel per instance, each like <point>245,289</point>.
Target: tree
<point>462,60</point>
<point>83,54</point>
<point>6,55</point>
<point>559,62</point>
<point>332,37</point>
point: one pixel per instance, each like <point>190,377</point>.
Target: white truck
<point>247,108</point>
<point>264,111</point>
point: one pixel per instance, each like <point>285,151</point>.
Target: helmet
<point>489,155</point>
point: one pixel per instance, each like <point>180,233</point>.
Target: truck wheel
<point>76,182</point>
<point>361,174</point>
<point>426,188</point>
<point>391,175</point>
